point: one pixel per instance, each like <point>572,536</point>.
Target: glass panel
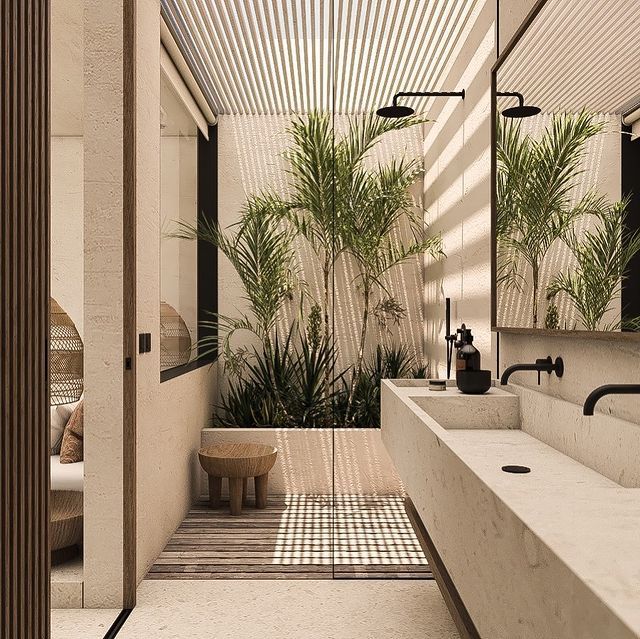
<point>273,240</point>
<point>380,239</point>
<point>178,206</point>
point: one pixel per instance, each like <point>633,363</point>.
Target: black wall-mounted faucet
<point>608,389</point>
<point>546,365</point>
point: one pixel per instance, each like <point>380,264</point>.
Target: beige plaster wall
<point>67,226</point>
<point>103,199</point>
<point>67,76</point>
<point>512,14</point>
<point>170,415</point>
<point>588,363</point>
<point>457,195</point>
<point>67,206</point>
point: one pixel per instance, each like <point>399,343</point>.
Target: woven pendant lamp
<point>66,358</point>
<point>175,339</point>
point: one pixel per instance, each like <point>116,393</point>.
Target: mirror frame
<point>501,59</point>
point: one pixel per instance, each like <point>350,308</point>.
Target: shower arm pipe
<point>511,94</point>
<point>427,94</point>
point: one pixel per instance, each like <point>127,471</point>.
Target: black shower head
<point>520,111</point>
<point>524,111</point>
<point>398,111</point>
<point>395,111</point>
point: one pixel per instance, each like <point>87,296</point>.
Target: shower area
<point>321,242</point>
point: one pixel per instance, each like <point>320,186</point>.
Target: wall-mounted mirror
<point>566,205</point>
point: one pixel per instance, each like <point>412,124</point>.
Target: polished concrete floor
<point>73,624</point>
<point>245,609</point>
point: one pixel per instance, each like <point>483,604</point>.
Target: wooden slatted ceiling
<point>24,319</point>
<point>348,56</point>
<point>296,537</point>
<point>578,54</point>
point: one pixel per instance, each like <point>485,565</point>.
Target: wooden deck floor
<point>296,537</point>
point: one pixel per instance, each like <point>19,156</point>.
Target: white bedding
<point>66,476</point>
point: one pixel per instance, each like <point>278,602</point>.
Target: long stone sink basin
<point>552,553</point>
<point>450,409</point>
<point>605,444</point>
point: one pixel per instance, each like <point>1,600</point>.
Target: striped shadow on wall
<point>24,302</point>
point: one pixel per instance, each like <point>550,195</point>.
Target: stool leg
<point>235,495</point>
<point>262,483</point>
<point>215,490</point>
<point>244,491</point>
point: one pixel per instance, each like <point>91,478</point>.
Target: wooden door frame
<point>129,317</point>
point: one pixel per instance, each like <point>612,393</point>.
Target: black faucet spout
<point>608,389</point>
<point>543,365</point>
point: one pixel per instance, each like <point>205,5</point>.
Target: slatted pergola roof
<point>283,56</point>
<point>578,54</point>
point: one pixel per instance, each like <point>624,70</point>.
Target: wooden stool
<point>238,461</point>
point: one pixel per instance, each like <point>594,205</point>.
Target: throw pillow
<point>58,422</point>
<point>71,450</point>
<point>60,415</point>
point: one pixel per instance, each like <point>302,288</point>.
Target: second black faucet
<point>546,365</point>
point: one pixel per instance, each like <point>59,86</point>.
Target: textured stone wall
<point>103,314</point>
<point>457,157</point>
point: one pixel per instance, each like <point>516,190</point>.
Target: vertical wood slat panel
<point>24,318</point>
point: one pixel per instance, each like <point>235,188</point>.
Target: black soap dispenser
<point>470,379</point>
<point>467,355</point>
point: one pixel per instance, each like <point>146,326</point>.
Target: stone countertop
<point>587,520</point>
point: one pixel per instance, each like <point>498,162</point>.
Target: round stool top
<point>237,459</point>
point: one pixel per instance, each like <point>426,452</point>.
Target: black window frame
<point>207,254</point>
<point>630,187</point>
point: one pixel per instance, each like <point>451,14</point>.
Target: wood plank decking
<point>296,537</point>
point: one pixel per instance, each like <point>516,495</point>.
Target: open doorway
<point>92,332</point>
<point>67,360</point>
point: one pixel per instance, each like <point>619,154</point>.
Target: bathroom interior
<point>396,246</point>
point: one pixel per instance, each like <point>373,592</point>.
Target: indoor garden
<point>345,207</point>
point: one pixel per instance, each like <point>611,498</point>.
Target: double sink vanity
<point>552,552</point>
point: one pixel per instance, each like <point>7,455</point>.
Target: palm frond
<point>261,252</point>
<point>536,183</point>
<point>603,256</point>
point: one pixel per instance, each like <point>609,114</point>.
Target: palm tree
<point>536,186</point>
<point>323,170</point>
<point>327,181</point>
<point>312,206</point>
<point>262,254</point>
<point>377,205</point>
<point>602,258</point>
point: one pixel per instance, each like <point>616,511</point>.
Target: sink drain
<point>516,469</point>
